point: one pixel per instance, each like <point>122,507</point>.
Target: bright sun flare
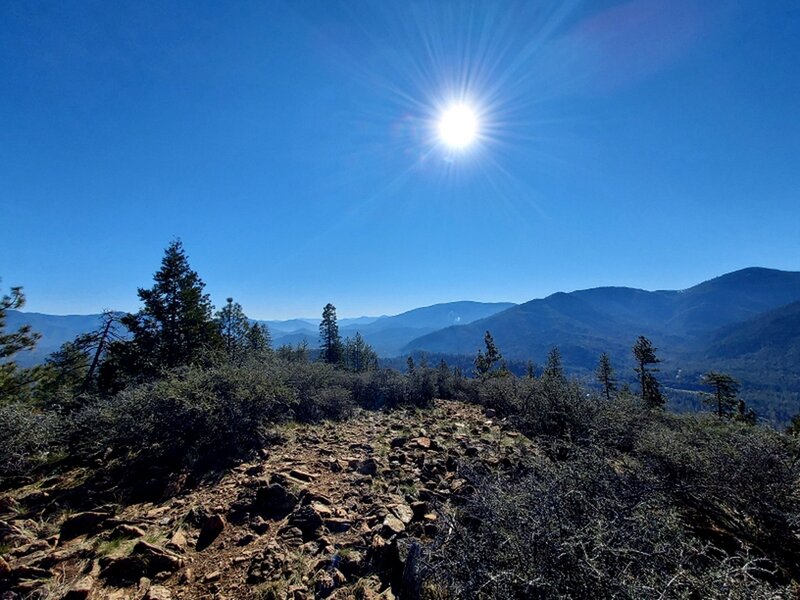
<point>458,126</point>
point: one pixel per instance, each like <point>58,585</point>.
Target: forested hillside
<point>174,452</point>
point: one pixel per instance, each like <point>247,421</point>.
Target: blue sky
<point>292,147</point>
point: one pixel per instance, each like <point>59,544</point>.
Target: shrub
<point>191,420</point>
<point>572,526</point>
<point>27,438</point>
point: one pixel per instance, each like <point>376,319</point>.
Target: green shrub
<point>27,438</point>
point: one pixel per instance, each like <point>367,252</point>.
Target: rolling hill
<point>586,322</point>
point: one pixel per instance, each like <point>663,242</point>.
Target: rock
<point>275,501</point>
<point>178,541</point>
<point>392,526</point>
<point>127,531</point>
<point>145,560</point>
<point>5,568</point>
<point>398,442</point>
<point>291,536</point>
<point>81,589</point>
<point>368,466</point>
<point>30,572</point>
<point>210,530</point>
<point>419,509</point>
<point>422,442</point>
<point>337,525</point>
<point>324,584</point>
<point>323,511</point>
<point>158,592</point>
<point>8,505</point>
<point>213,576</point>
<point>82,523</point>
<point>402,512</point>
<point>351,562</point>
<point>306,520</point>
<point>26,549</point>
<point>259,525</point>
<point>302,475</point>
<point>254,470</point>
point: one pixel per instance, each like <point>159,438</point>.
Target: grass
<point>112,547</point>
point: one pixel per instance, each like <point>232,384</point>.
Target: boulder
<point>145,560</point>
<point>275,501</point>
<point>209,531</point>
<point>83,523</point>
<point>368,466</point>
<point>392,526</point>
<point>402,512</point>
<point>307,520</point>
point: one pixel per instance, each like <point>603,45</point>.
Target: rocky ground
<point>337,510</point>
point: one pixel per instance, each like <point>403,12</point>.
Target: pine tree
<point>444,381</point>
<point>331,343</point>
<point>554,368</point>
<point>174,325</point>
<point>410,364</point>
<point>723,398</point>
<point>486,364</point>
<point>233,327</point>
<point>359,355</point>
<point>259,339</point>
<point>645,355</point>
<point>605,375</point>
<point>15,382</point>
<point>64,374</point>
<point>530,370</point>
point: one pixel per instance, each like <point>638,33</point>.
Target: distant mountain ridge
<point>586,322</point>
<point>387,334</point>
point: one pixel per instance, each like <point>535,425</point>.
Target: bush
<point>192,420</point>
<point>27,438</point>
<point>572,526</point>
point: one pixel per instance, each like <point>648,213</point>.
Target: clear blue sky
<point>292,147</point>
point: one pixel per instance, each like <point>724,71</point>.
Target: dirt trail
<point>335,510</point>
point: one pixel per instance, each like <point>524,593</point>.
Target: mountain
<point>389,334</point>
<point>54,329</point>
<point>772,338</point>
<point>586,322</point>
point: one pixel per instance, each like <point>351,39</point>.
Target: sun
<point>458,126</point>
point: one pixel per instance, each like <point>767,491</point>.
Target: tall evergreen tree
<point>486,364</point>
<point>259,338</point>
<point>233,327</point>
<point>605,375</point>
<point>174,324</point>
<point>723,398</point>
<point>645,354</point>
<point>14,382</point>
<point>331,343</point>
<point>530,369</point>
<point>359,355</point>
<point>554,368</point>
